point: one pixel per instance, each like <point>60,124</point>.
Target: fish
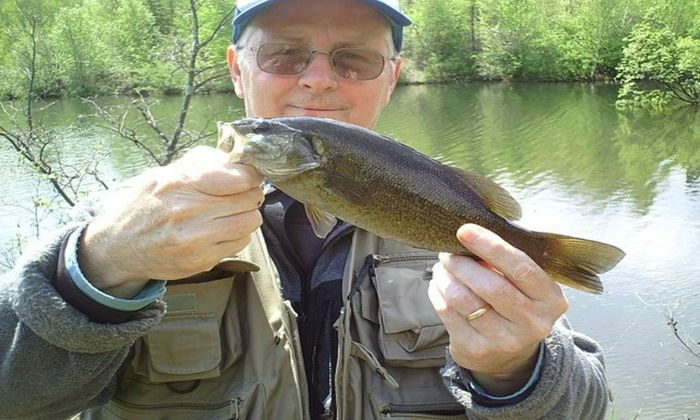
<point>342,171</point>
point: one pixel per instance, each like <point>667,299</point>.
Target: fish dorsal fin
<point>321,222</point>
<point>497,199</point>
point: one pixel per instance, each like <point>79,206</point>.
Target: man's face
<point>318,91</point>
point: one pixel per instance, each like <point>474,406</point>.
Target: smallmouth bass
<point>339,170</point>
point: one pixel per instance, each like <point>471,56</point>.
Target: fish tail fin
<point>577,262</point>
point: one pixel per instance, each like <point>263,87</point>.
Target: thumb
<point>226,137</point>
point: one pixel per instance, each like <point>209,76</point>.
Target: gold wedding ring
<point>478,313</point>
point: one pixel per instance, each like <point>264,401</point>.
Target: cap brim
<point>241,18</point>
<point>394,17</point>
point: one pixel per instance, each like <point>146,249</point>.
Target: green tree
<point>659,67</point>
<point>521,39</point>
<point>442,40</point>
<point>596,30</point>
<point>28,63</point>
<point>86,66</point>
<point>135,43</point>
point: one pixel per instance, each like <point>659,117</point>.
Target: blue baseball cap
<point>246,10</point>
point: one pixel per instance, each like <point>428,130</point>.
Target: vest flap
<point>403,300</point>
<point>185,345</point>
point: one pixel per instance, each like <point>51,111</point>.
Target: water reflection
<point>575,138</point>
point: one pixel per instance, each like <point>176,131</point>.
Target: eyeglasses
<point>348,63</point>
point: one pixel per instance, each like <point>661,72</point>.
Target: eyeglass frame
<point>312,52</point>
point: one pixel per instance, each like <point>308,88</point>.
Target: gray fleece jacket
<point>55,362</point>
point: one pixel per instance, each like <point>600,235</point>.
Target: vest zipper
<point>305,292</point>
<point>236,403</point>
<point>387,259</point>
<point>438,411</point>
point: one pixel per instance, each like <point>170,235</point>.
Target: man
<point>274,322</point>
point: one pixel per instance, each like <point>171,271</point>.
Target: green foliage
<point>508,35</point>
<point>25,49</point>
<point>92,47</point>
<point>660,66</point>
<point>442,40</point>
<point>595,32</point>
<point>79,47</point>
<point>519,39</point>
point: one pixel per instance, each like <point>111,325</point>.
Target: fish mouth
<point>247,126</point>
<point>261,139</point>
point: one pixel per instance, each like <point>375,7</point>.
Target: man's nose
<point>319,75</point>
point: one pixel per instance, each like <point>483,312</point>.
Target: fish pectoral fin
<point>495,197</point>
<point>349,189</point>
<point>321,222</point>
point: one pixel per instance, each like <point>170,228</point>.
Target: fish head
<point>276,150</point>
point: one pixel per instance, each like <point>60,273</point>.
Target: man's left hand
<point>499,347</point>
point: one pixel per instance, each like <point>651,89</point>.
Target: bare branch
<point>120,127</point>
<point>209,67</point>
<point>145,111</point>
<point>210,79</point>
<point>686,341</point>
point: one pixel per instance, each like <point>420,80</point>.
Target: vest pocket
<point>168,407</point>
<point>411,333</point>
<point>187,344</point>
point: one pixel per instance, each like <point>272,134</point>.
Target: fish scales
<point>409,197</point>
<point>339,170</point>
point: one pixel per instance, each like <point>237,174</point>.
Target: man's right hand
<point>172,222</point>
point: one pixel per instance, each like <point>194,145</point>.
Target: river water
<point>577,166</point>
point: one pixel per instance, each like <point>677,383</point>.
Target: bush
<point>658,68</point>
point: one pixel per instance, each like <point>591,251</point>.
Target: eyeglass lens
<point>349,63</point>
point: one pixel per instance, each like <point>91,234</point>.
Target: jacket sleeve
<point>54,361</point>
<point>572,384</point>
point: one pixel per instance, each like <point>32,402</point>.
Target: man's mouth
<point>317,109</point>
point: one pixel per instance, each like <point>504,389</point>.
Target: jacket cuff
<point>72,285</point>
<point>51,317</point>
<point>458,377</point>
<point>571,385</point>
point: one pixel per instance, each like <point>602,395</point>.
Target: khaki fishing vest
<point>228,346</point>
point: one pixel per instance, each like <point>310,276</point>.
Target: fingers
<point>209,208</point>
<point>520,269</point>
<point>226,137</point>
<point>473,344</point>
<point>175,221</point>
<point>234,227</point>
<point>451,318</point>
<point>523,304</point>
<point>487,284</point>
<point>208,171</point>
<point>454,294</point>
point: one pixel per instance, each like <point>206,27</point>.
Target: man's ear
<point>234,70</point>
<point>398,65</point>
<point>395,73</point>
